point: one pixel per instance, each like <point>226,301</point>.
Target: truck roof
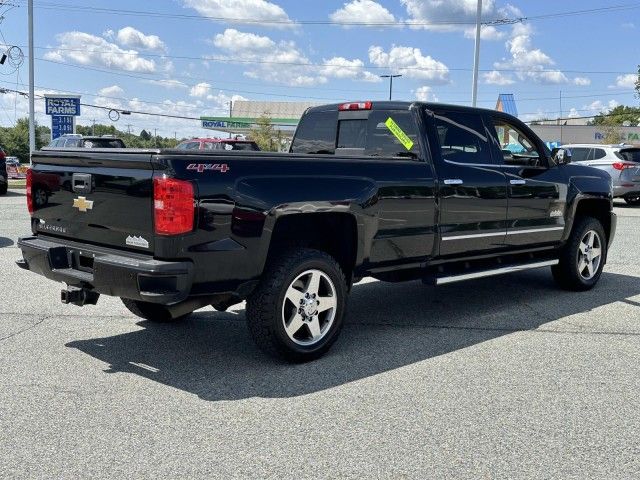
<point>401,105</point>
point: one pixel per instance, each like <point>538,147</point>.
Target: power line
<point>321,65</point>
<point>408,23</point>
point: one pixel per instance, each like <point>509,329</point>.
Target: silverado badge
<point>82,204</point>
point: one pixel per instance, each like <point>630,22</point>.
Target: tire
<point>307,289</point>
<point>4,187</point>
<point>150,311</point>
<point>634,200</point>
<point>580,268</point>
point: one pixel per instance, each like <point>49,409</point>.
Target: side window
<point>598,153</point>
<point>192,146</point>
<point>579,154</point>
<point>517,148</point>
<point>72,142</point>
<point>392,134</point>
<point>316,133</point>
<point>462,138</point>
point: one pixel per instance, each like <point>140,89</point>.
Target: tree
<point>144,135</point>
<point>265,135</point>
<point>618,116</point>
<point>15,140</point>
<point>638,83</point>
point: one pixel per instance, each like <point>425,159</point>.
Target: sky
<point>191,57</point>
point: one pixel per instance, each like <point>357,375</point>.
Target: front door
<point>536,187</point>
<point>472,189</point>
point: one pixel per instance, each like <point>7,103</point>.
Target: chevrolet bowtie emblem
<point>82,204</point>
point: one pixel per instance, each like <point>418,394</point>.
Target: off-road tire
<point>150,311</point>
<point>4,187</point>
<point>566,273</point>
<point>264,306</point>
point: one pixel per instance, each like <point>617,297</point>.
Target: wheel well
<point>333,233</point>
<point>599,209</point>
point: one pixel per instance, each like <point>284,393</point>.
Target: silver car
<point>622,162</point>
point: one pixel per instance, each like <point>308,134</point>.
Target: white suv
<point>622,162</point>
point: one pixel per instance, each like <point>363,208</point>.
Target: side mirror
<point>561,156</point>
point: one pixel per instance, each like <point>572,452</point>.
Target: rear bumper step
<point>107,271</point>
<point>443,280</point>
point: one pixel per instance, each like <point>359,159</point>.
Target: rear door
<point>536,189</point>
<point>473,188</point>
<point>95,197</point>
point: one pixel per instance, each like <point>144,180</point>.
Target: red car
<point>218,144</point>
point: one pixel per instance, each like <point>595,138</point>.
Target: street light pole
<point>390,77</point>
<point>476,61</point>
<point>32,116</point>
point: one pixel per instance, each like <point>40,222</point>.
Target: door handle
<point>453,181</point>
<point>517,182</point>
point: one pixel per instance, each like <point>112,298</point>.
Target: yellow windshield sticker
<point>402,137</point>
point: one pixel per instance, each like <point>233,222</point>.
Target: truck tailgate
<point>101,197</point>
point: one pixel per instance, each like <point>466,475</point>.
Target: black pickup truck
<point>393,190</point>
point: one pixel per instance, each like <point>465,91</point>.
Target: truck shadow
<point>388,326</point>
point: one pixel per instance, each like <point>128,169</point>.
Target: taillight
<point>29,191</point>
<point>355,106</point>
<point>623,165</point>
<point>173,206</point>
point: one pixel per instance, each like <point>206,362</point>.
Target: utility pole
<point>155,135</point>
<point>230,113</point>
<point>128,125</point>
<point>32,107</point>
<point>476,61</point>
<point>390,77</point>
<point>93,127</point>
<point>560,119</point>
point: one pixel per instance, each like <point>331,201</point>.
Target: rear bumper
<point>623,191</point>
<point>107,271</point>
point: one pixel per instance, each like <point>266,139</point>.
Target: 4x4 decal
<point>203,167</point>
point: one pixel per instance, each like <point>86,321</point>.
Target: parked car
<point>4,177</point>
<point>78,141</point>
<point>395,190</point>
<point>15,169</point>
<point>218,144</point>
<point>621,162</point>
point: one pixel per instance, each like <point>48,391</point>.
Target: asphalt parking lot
<point>501,378</point>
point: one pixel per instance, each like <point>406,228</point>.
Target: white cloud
<point>365,11</point>
<point>410,62</point>
<point>487,32</point>
<point>280,62</point>
<point>626,81</point>
<point>200,90</point>
<point>168,83</point>
<point>599,107</point>
<point>340,67</point>
<point>436,12</point>
<point>132,38</point>
<point>496,78</point>
<point>254,10</point>
<point>112,91</point>
<point>86,49</point>
<point>582,81</point>
<point>573,113</point>
<point>425,94</point>
<point>529,63</point>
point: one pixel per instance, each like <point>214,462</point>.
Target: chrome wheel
<point>309,307</point>
<point>40,197</point>
<point>589,255</point>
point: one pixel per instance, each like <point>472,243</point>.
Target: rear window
<point>630,154</point>
<point>249,146</point>
<point>103,143</point>
<point>316,133</point>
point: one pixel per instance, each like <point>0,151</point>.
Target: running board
<point>497,271</point>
